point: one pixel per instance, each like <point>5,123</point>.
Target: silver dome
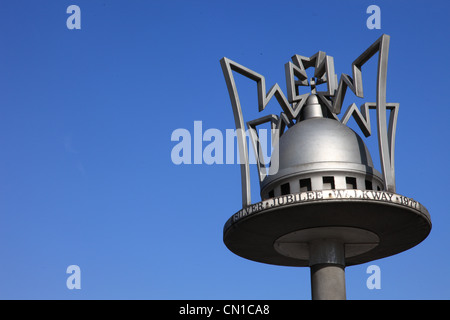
<point>317,148</point>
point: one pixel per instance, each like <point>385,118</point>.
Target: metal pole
<point>327,263</point>
<point>327,282</point>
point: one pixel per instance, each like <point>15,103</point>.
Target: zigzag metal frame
<point>292,70</point>
<point>355,84</point>
<point>263,97</point>
<point>228,66</point>
<point>362,118</point>
<point>240,129</point>
<point>386,136</point>
<point>385,144</point>
<point>324,70</point>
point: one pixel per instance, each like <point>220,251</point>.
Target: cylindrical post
<point>327,282</point>
<point>327,262</point>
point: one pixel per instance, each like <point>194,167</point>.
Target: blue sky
<point>86,118</point>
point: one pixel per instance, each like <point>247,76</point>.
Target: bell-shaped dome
<point>320,146</point>
<point>319,140</point>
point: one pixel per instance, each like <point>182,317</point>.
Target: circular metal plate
<point>399,222</point>
<point>356,241</point>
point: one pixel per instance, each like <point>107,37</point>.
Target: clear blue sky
<point>86,118</point>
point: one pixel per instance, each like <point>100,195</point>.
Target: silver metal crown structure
<point>332,99</point>
<point>323,204</point>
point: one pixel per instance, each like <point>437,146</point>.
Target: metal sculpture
<point>323,204</point>
<point>332,98</point>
